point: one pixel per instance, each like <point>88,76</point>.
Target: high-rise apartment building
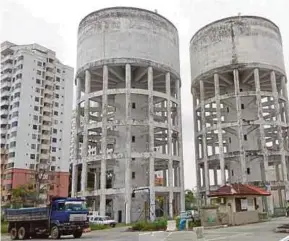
<point>36,106</point>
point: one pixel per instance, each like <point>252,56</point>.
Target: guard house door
<point>119,216</point>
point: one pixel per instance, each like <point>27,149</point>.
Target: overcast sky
<point>54,24</point>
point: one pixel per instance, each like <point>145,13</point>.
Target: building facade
<point>36,105</point>
<point>128,94</point>
<point>240,103</point>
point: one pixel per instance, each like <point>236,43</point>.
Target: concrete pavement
<point>253,232</point>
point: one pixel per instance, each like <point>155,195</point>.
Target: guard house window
<point>248,171</point>
<point>228,109</point>
<point>232,172</point>
<point>245,137</point>
<point>230,140</point>
<point>242,106</point>
<point>133,139</point>
<point>133,105</point>
<point>133,175</point>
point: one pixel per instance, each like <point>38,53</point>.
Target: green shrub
<point>4,227</point>
<point>157,225</point>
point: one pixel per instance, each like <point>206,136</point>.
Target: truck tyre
<point>22,234</point>
<point>77,234</point>
<point>55,232</point>
<point>13,234</point>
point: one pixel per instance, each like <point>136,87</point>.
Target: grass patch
<point>94,227</point>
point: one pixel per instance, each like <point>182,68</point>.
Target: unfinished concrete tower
<point>240,105</point>
<point>128,98</point>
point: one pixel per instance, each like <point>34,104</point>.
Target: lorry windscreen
<point>75,206</point>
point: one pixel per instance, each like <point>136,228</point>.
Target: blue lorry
<point>63,216</point>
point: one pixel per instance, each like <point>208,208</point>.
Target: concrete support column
<point>169,128</point>
<point>279,133</point>
<point>240,127</point>
<point>285,94</point>
<point>76,141</point>
<point>277,173</point>
<point>219,126</point>
<point>151,144</point>
<point>103,141</point>
<point>264,164</point>
<point>204,140</point>
<point>165,177</point>
<point>215,176</point>
<point>261,119</point>
<point>128,190</point>
<point>198,174</point>
<point>180,142</point>
<point>84,151</point>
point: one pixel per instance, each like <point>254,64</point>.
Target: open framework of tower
<point>240,105</point>
<point>128,115</point>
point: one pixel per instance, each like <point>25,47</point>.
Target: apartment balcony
<point>7,66</point>
<point>45,127</point>
<point>45,137</point>
<point>44,156</point>
<point>6,58</point>
<point>48,91</point>
<point>46,118</point>
<point>50,65</point>
<point>5,93</point>
<point>49,74</point>
<point>45,146</point>
<point>5,84</point>
<point>4,102</point>
<point>48,100</point>
<point>4,112</point>
<point>47,109</point>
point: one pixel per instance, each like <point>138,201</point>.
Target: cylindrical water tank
<point>236,41</point>
<point>127,34</point>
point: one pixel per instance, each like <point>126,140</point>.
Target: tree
<point>190,199</point>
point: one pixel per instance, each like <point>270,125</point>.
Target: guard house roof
<point>238,189</point>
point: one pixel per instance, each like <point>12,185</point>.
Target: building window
<point>57,87</point>
<point>53,158</point>
<point>35,117</point>
<point>52,168</point>
<point>58,71</point>
<point>241,90</point>
<point>55,112</point>
<point>15,123</point>
<point>38,81</point>
<point>32,156</point>
<point>39,63</point>
<point>133,175</point>
<point>133,105</point>
<point>34,136</point>
<point>54,131</point>
<point>37,99</point>
<point>133,195</point>
<point>232,172</point>
<point>34,127</point>
<point>54,139</point>
<point>242,106</point>
<point>12,144</point>
<point>228,109</point>
<point>245,137</point>
<point>31,166</point>
<point>57,96</point>
<point>39,73</point>
<point>56,104</point>
<point>36,108</point>
<point>248,171</point>
<point>53,149</point>
<point>33,146</point>
<point>133,139</point>
<point>230,140</point>
<point>133,159</point>
<point>57,79</point>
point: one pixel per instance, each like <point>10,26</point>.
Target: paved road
<point>253,232</point>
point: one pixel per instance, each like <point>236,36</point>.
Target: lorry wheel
<point>13,234</point>
<point>22,233</point>
<point>55,233</point>
<point>77,234</point>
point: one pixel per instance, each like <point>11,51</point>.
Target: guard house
<point>241,202</point>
